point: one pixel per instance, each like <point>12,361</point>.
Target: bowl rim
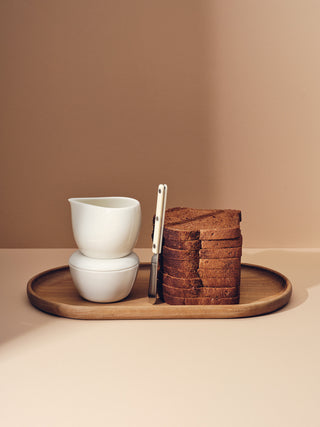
<point>103,271</point>
<point>88,201</point>
<point>83,263</point>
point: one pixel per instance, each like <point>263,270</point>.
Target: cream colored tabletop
<point>262,371</point>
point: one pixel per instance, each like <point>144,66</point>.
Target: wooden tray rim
<point>115,311</point>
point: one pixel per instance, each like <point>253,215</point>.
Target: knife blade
<point>157,241</point>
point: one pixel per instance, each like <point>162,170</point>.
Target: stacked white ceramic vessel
<point>106,230</point>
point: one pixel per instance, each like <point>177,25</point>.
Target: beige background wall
<point>219,99</point>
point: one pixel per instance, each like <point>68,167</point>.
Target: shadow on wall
<point>100,99</point>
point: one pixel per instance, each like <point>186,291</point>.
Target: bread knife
<point>157,241</point>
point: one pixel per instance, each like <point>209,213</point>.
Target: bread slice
<point>179,282</point>
<point>229,264</point>
<point>220,253</point>
<point>181,264</point>
<point>201,292</point>
<point>192,224</point>
<point>222,282</point>
<point>230,233</point>
<point>193,245</point>
<point>188,282</point>
<point>203,268</point>
<point>169,299</point>
<point>190,273</point>
<point>223,243</point>
<point>182,254</point>
<point>215,273</point>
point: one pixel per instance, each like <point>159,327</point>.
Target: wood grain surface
<point>262,291</point>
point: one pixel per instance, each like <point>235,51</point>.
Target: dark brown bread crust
<point>216,282</point>
<point>225,243</point>
<point>201,292</point>
<point>220,253</point>
<point>199,301</point>
<point>192,224</point>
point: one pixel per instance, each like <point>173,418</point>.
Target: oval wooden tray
<point>261,291</point>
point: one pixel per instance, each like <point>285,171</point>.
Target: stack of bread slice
<point>201,257</point>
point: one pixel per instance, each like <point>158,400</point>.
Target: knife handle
<point>158,222</point>
<point>163,215</point>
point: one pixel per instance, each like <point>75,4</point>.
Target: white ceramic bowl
<point>105,227</point>
<point>103,280</point>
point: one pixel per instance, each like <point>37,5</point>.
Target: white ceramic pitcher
<point>105,227</point>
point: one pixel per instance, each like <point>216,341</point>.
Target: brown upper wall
<point>220,100</point>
